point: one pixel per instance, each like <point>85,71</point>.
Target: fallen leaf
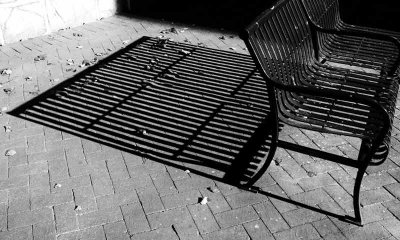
<point>204,201</point>
<point>28,78</point>
<point>222,37</point>
<point>7,129</point>
<point>77,35</point>
<point>185,52</point>
<point>78,208</point>
<point>311,174</point>
<point>54,80</point>
<point>9,91</point>
<point>278,161</point>
<point>80,47</point>
<point>3,109</point>
<point>232,48</point>
<point>125,42</point>
<point>40,57</point>
<point>57,185</point>
<point>187,171</point>
<point>10,152</point>
<point>6,71</point>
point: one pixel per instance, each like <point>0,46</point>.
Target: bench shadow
<point>186,106</point>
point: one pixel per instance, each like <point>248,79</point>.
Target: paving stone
<point>302,216</point>
<point>203,218</point>
<point>194,182</point>
<point>99,217</point>
<point>70,183</point>
<point>368,231</point>
<point>271,217</point>
<point>375,196</point>
<point>102,184</point>
<point>47,200</point>
<point>84,199</point>
<point>373,181</point>
<point>27,218</point>
<point>279,199</point>
<point>165,185</point>
<point>300,232</point>
<point>65,216</point>
<point>14,182</point>
<point>158,234</point>
<point>394,189</point>
<point>393,206</point>
<point>168,218</point>
<point>325,227</point>
<point>181,199</point>
<point>244,199</point>
<point>312,197</point>
<point>44,230</point>
<point>135,218</point>
<point>187,231</point>
<point>19,205</point>
<point>117,199</point>
<point>258,231</point>
<point>373,213</point>
<point>236,232</point>
<point>150,200</point>
<point>289,185</point>
<point>23,233</point>
<point>316,182</point>
<point>217,202</point>
<point>93,233</point>
<point>116,230</point>
<point>392,225</point>
<point>236,216</point>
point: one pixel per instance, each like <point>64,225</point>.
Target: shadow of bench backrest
<point>281,40</point>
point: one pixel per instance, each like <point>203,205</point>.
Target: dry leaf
<point>204,201</point>
<point>7,129</point>
<point>9,91</point>
<point>185,52</point>
<point>3,109</point>
<point>78,208</point>
<point>80,47</point>
<point>187,171</point>
<point>77,35</point>
<point>57,185</point>
<point>125,42</point>
<point>10,152</point>
<point>6,71</point>
<point>40,57</point>
<point>28,78</point>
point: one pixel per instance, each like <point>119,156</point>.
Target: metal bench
<point>306,92</point>
<point>349,44</point>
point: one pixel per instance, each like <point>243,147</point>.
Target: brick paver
<point>61,186</point>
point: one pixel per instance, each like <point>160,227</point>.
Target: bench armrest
<point>367,34</point>
<point>336,94</point>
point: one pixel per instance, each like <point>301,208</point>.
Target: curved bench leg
<point>363,159</point>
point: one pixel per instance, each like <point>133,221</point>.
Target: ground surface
<point>55,185</point>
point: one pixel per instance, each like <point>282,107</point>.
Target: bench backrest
<point>324,13</point>
<point>281,40</point>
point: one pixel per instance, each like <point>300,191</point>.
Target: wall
<point>22,19</point>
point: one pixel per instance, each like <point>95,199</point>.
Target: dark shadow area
<point>231,15</point>
<point>235,15</point>
<point>174,103</point>
<point>379,14</point>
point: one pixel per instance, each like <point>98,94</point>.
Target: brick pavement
<point>59,186</point>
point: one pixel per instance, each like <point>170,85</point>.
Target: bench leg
<point>363,160</point>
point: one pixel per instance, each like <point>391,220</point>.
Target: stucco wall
<point>22,19</point>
